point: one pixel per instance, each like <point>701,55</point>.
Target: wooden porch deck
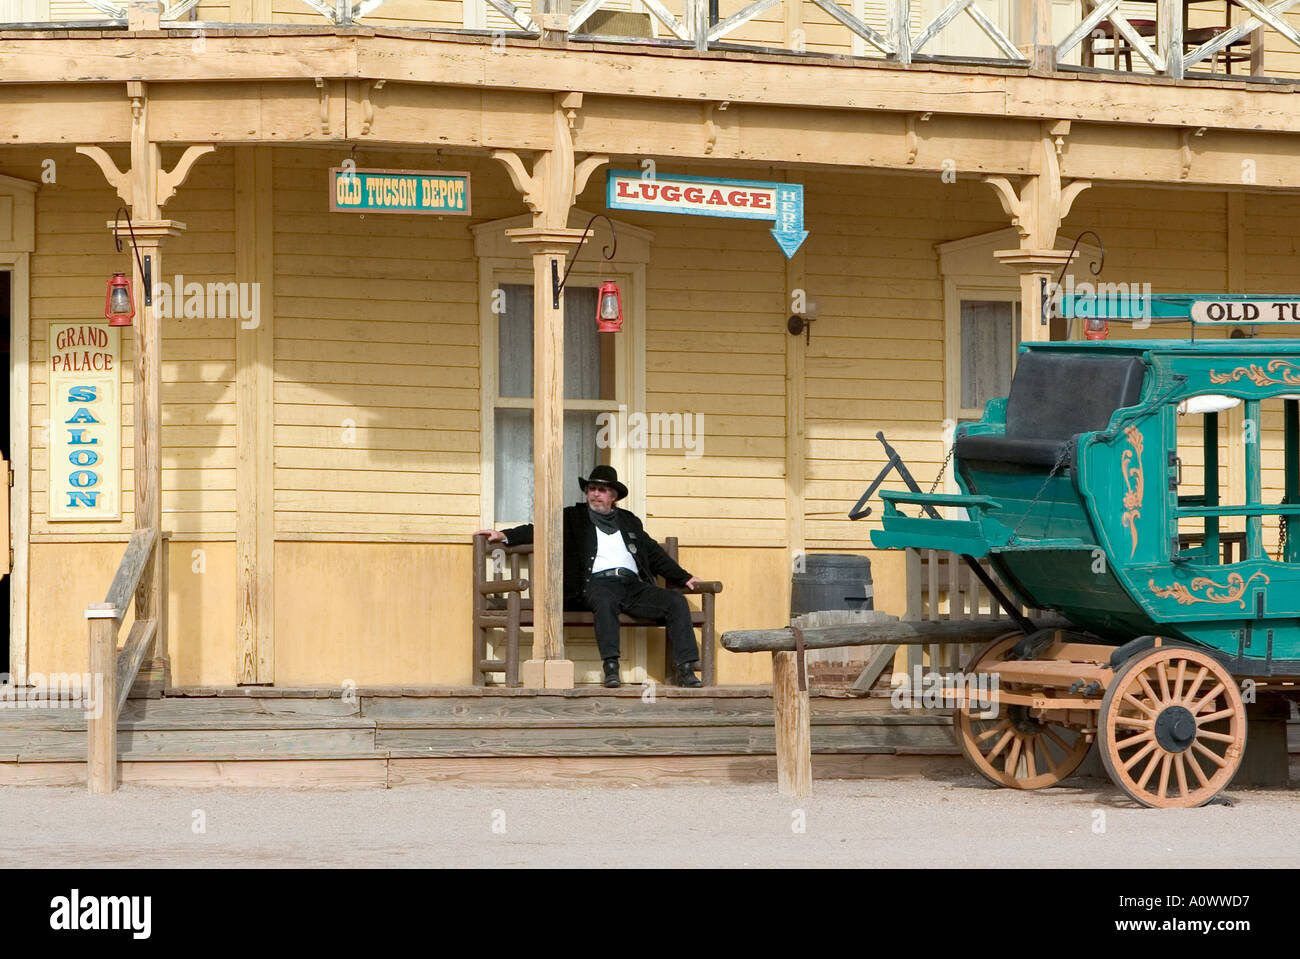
<point>262,736</point>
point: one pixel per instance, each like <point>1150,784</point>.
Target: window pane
<point>513,497</point>
<point>582,346</point>
<point>515,341</point>
<point>514,466</point>
<point>987,343</point>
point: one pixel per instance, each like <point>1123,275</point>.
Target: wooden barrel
<point>831,581</point>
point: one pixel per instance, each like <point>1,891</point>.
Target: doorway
<point>6,316</point>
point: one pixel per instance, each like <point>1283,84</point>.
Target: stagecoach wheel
<point>1172,728</point>
<point>1012,748</point>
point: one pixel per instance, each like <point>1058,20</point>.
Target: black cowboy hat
<point>607,476</point>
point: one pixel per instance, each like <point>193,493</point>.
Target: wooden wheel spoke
<point>1196,768</point>
<point>1207,699</point>
<point>1137,722</point>
<point>1031,767</point>
<point>1163,788</point>
<point>1196,684</point>
<point>993,731</point>
<point>1162,671</point>
<point>1209,754</point>
<point>1149,735</point>
<point>1137,756</point>
<point>1052,765</point>
<point>1151,693</point>
<point>1221,714</point>
<point>1150,768</point>
<point>1010,735</point>
<point>1216,737</point>
<point>1013,757</point>
<point>1178,680</point>
<point>1139,705</point>
<point>1055,737</point>
<point>1180,768</point>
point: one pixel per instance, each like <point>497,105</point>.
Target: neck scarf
<point>605,522</point>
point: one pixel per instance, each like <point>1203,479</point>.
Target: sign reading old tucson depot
<point>85,466</point>
<point>709,196</point>
<point>399,191</point>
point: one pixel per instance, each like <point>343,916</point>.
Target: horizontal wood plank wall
<point>74,258</point>
<point>876,358</point>
<point>376,359</point>
<point>715,318</point>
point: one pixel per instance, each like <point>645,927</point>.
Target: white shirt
<point>612,552</point>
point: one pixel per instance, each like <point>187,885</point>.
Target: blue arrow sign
<point>788,230</point>
<point>709,196</point>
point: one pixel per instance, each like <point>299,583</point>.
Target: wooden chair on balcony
<point>1238,51</point>
<point>501,577</point>
<point>1119,47</point>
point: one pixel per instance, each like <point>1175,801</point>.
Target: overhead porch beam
<point>401,115</point>
<point>656,73</point>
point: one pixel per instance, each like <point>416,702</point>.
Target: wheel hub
<point>1175,729</point>
<point>1023,722</point>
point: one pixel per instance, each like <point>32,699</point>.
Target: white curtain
<point>513,453</point>
<point>988,331</point>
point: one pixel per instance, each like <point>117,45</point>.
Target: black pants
<point>609,597</point>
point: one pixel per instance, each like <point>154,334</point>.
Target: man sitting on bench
<point>609,567</point>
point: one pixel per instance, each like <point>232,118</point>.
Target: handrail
<point>138,550</point>
<point>117,671</point>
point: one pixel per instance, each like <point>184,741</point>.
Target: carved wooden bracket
<point>367,104</point>
<point>323,86</point>
<point>1042,202</point>
<point>913,143</point>
<point>549,189</point>
<point>166,183</point>
<point>711,127</point>
<point>119,181</point>
<point>1185,150</point>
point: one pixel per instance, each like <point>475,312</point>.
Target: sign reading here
<point>1245,311</point>
<point>399,191</point>
<point>85,463</point>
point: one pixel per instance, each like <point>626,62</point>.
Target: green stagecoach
<point>1075,488</point>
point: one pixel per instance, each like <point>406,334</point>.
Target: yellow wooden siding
<point>715,348</point>
<point>376,360</point>
<point>74,258</point>
<point>876,358</point>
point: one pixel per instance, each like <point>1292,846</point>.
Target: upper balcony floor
<point>1219,41</point>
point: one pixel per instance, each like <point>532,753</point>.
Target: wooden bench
<point>500,580</point>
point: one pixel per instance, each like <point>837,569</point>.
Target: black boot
<point>686,675</point>
<point>611,673</point>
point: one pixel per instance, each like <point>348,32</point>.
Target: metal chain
<point>946,460</point>
<point>1060,458</point>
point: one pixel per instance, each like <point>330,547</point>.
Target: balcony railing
<point>1174,38</point>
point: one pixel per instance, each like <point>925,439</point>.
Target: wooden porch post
<point>549,191</point>
<point>1034,35</point>
<point>551,249</point>
<point>145,188</point>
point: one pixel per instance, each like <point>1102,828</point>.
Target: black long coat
<point>580,551</point>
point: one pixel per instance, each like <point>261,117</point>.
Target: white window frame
<point>500,260</point>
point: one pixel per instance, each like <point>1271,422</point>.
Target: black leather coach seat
<point>1054,397</point>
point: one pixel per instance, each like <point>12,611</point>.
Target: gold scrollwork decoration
<point>1133,485</point>
<point>1261,376</point>
<point>1230,592</point>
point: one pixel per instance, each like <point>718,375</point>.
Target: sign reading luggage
<point>85,464</point>
<point>706,196</point>
<point>399,191</point>
<point>1228,312</point>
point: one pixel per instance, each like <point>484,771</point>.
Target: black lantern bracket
<point>557,284</point>
<point>144,265</point>
<point>1094,267</point>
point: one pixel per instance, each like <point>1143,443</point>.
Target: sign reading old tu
<point>707,196</point>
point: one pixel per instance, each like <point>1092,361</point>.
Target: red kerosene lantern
<point>609,309</point>
<point>119,304</point>
<point>1095,329</point>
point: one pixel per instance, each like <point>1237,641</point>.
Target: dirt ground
<point>958,822</point>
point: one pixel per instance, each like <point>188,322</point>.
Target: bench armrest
<point>703,587</point>
<point>502,586</point>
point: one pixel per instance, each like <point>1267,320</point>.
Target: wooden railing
<point>118,669</point>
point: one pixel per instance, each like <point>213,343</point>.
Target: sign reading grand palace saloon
<point>707,196</point>
<point>399,191</point>
<point>85,466</point>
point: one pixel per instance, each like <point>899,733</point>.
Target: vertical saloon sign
<point>85,467</point>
